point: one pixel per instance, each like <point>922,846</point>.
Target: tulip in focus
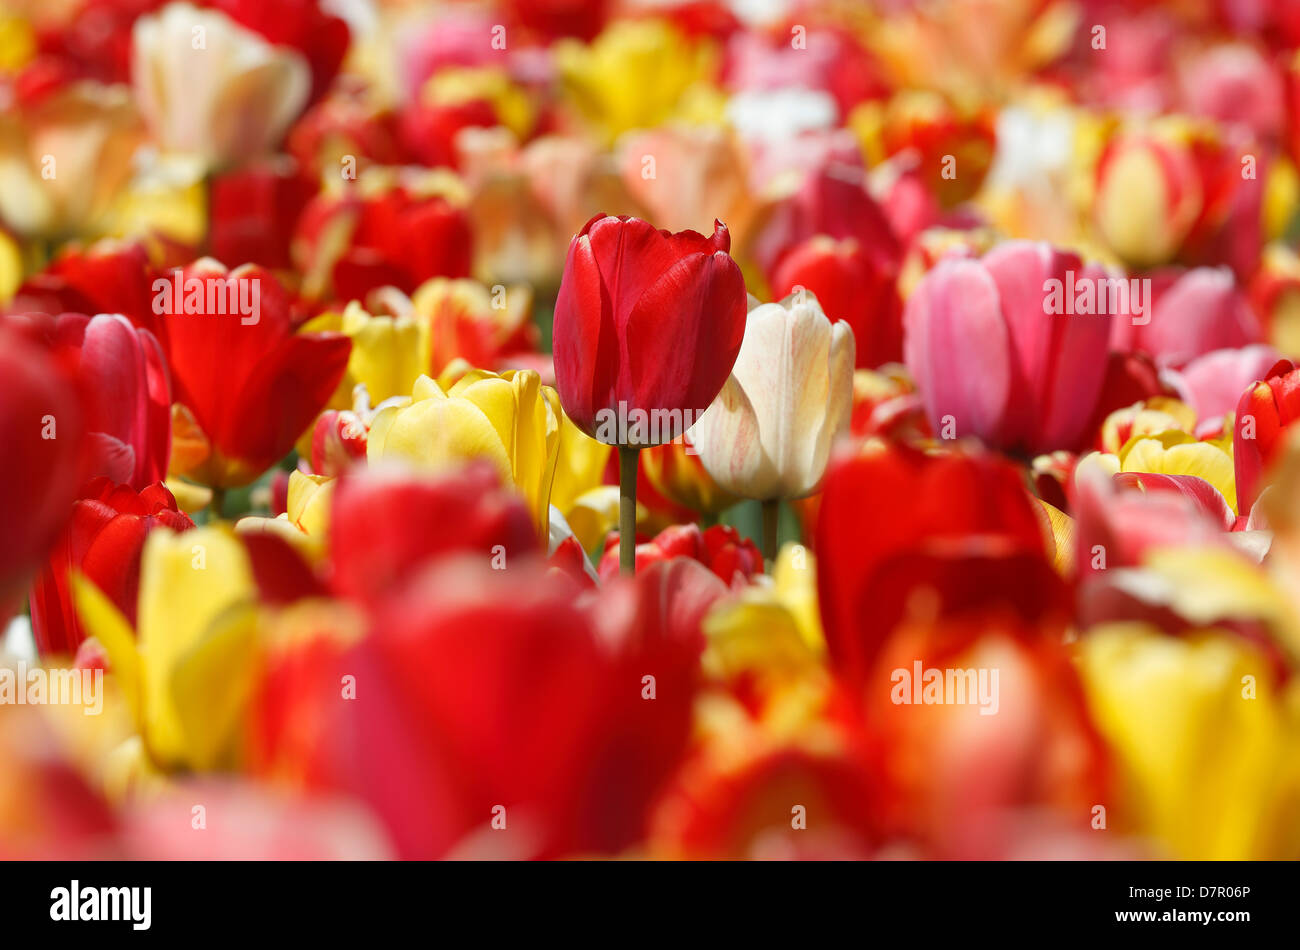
<point>769,433</point>
<point>647,328</point>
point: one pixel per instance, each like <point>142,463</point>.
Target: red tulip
<point>254,210</point>
<point>962,780</point>
<point>552,19</point>
<point>720,548</point>
<point>349,245</point>
<point>901,534</point>
<point>252,384</point>
<point>107,277</point>
<point>125,390</point>
<point>1192,313</point>
<point>490,716</point>
<point>853,283</point>
<point>1264,412</point>
<point>104,541</point>
<point>993,354</point>
<point>646,321</point>
<point>832,201</point>
<point>40,428</point>
<point>387,524</point>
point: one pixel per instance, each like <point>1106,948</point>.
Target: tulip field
<point>658,430</point>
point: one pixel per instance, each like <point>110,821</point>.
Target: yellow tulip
<point>1148,194</point>
<point>17,43</point>
<point>166,203</point>
<point>308,502</point>
<point>510,420</point>
<point>11,267</point>
<point>1207,742</point>
<point>1177,453</point>
<point>635,75</point>
<point>188,669</point>
<point>388,353</point>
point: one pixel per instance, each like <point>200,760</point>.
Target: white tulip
<point>768,434</point>
<point>211,88</point>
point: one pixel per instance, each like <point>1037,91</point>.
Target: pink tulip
<point>126,391</point>
<point>1213,382</point>
<point>992,359</point>
<point>1191,313</point>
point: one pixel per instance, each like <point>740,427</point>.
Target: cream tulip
<point>65,158</point>
<point>211,88</point>
<point>768,434</point>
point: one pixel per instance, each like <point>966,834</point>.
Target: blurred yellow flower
<point>388,353</point>
<point>1207,742</point>
<point>511,420</point>
<point>188,669</point>
<point>635,75</point>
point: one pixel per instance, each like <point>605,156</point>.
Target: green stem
<point>771,516</point>
<point>217,507</point>
<point>628,457</point>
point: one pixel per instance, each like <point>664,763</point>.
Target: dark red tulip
<point>41,430</point>
<point>646,322</point>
